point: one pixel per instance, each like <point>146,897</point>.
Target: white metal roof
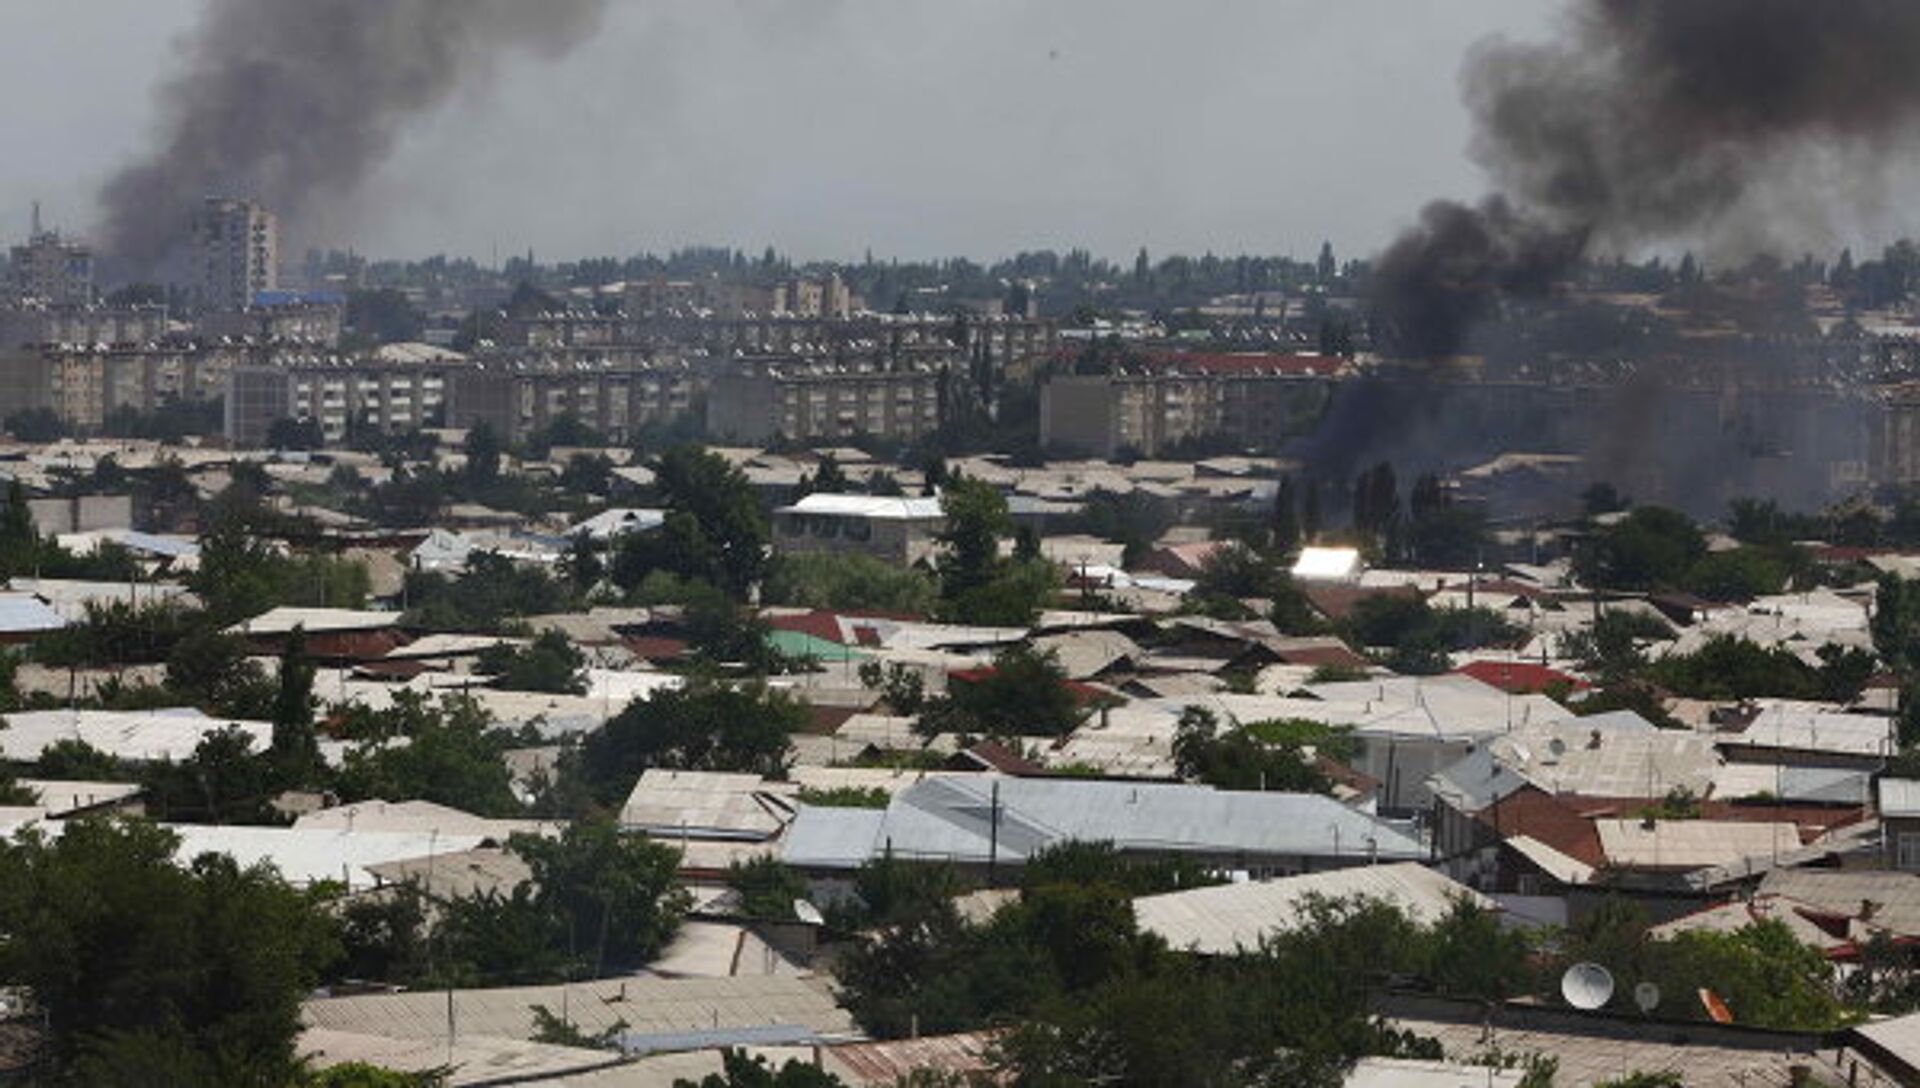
<point>1227,918</point>
<point>648,1005</point>
<point>953,818</point>
<point>875,507</point>
<point>280,621</point>
<point>420,817</point>
<point>1691,844</point>
<point>138,736</point>
<point>23,613</point>
<point>1327,564</point>
<point>1414,1073</point>
<point>611,523</point>
<point>59,797</point>
<point>705,804</point>
<point>1811,728</point>
<point>1561,866</point>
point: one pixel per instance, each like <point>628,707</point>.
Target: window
<point>1907,851</point>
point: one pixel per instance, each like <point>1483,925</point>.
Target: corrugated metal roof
<point>705,804</point>
<point>1691,844</point>
<point>952,818</point>
<point>892,1061</point>
<point>1413,1073</point>
<point>280,621</point>
<point>1562,867</point>
<point>648,1005</point>
<point>876,507</point>
<point>23,613</point>
<point>1228,918</point>
<point>471,1059</point>
<point>57,798</point>
<point>141,736</point>
<point>1806,729</point>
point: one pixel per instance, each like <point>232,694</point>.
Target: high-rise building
<point>236,253</point>
<point>52,269</point>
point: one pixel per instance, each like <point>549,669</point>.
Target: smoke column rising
<point>296,103</point>
<point>1649,120</point>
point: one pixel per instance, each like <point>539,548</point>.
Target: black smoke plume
<point>296,103</point>
<point>1651,120</point>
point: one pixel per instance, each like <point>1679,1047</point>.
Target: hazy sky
<point>828,127</point>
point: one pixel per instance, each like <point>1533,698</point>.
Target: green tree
<point>296,748</point>
<point>550,663</point>
<point>615,894</point>
<point>1277,755</point>
<point>1651,548</point>
<point>714,530</point>
<point>71,759</point>
<point>1023,693</point>
<point>454,756</point>
<point>767,887</point>
<point>977,519</point>
<point>483,450</point>
<point>224,782</point>
<point>215,671</point>
<point>853,582</point>
<point>703,725</point>
<point>1739,574</point>
<point>383,316</point>
<point>130,953</point>
<point>741,1070</point>
<point>484,598</point>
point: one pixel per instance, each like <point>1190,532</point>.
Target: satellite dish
<point>1647,996</point>
<point>808,913</point>
<point>1586,986</point>
<point>1557,746</point>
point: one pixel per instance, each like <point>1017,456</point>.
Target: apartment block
<point>1255,401</point>
<point>236,253</point>
<point>759,400</point>
<point>52,270</point>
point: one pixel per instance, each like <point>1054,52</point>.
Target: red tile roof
<point>1519,677</point>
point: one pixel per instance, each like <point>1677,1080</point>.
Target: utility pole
<point>993,835</point>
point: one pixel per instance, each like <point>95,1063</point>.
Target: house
<point>24,617</point>
<point>901,529</point>
<point>1900,821</point>
<point>1227,918</point>
<point>982,822</point>
<point>331,634</point>
<point>608,524</point>
<point>135,736</point>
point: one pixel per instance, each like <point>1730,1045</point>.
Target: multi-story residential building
<point>1014,345</point>
<point>514,398</point>
<point>51,269</point>
<point>236,253</point>
<point>279,317</point>
<point>343,396</point>
<point>900,529</point>
<point>84,385</point>
<point>760,399</point>
<point>1255,401</point>
<point>37,324</point>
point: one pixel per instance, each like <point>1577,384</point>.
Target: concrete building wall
<point>236,253</point>
<point>81,514</point>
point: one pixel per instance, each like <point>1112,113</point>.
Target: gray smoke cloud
<point>296,103</point>
<point>1649,120</point>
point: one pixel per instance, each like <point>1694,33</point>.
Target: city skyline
<point>1257,128</point>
